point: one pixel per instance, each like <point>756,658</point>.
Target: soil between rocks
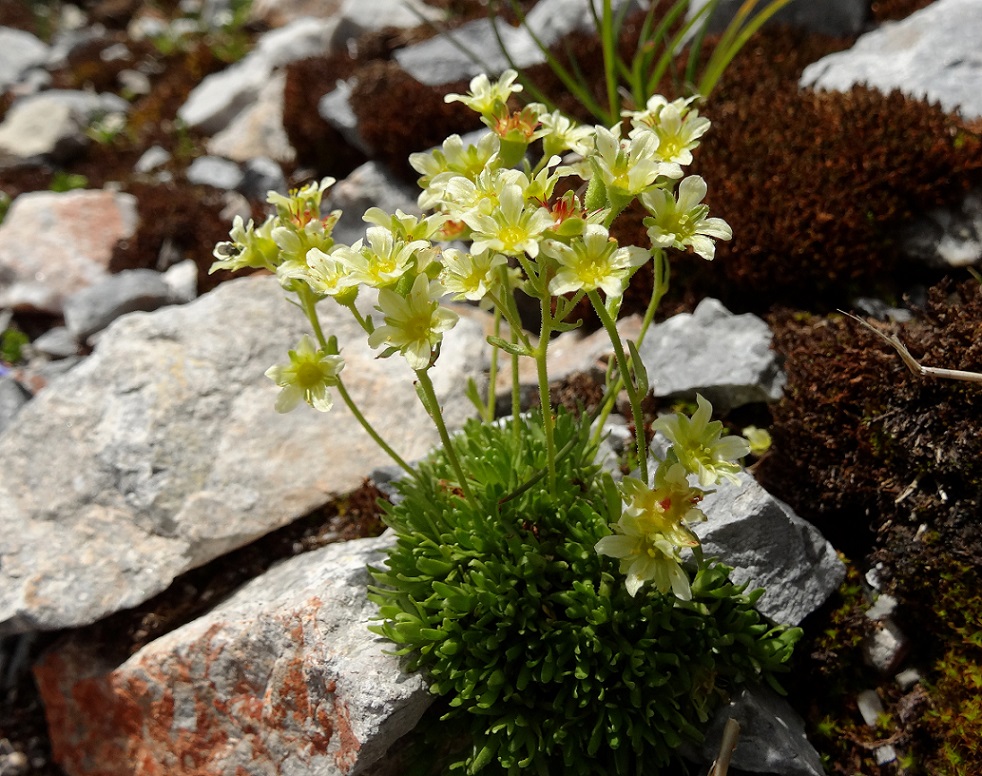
<point>888,465</point>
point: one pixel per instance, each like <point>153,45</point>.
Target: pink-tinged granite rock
<point>281,679</point>
<point>53,244</point>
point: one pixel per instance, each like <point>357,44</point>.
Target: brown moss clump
<point>151,119</point>
<point>892,10</point>
<point>862,441</point>
<point>397,115</point>
<point>815,185</point>
<point>186,219</point>
<point>319,146</point>
<point>889,466</point>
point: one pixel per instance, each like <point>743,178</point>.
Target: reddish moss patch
<point>889,466</point>
<point>892,10</point>
<point>185,218</point>
<point>319,146</point>
<point>815,184</point>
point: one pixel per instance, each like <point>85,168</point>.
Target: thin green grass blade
<point>718,64</point>
<point>643,56</point>
<point>576,87</point>
<point>670,47</point>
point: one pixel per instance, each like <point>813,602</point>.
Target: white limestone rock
<point>283,677</point>
<point>934,54</point>
<point>54,244</point>
<point>162,450</point>
<point>19,52</point>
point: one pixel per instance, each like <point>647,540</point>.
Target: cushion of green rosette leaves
<point>548,664</point>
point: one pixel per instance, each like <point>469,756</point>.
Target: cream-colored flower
<point>645,557</point>
<point>250,246</point>
<point>453,157</point>
<point>562,134</point>
<point>652,530</point>
<point>678,129</point>
<point>307,377</point>
<point>683,223</point>
<point>699,445</point>
<point>326,274</point>
<point>592,261</point>
<point>470,276</point>
<point>300,206</point>
<point>630,166</point>
<point>415,324</point>
<point>514,227</point>
<point>667,506</point>
<point>405,226</point>
<point>383,259</point>
<point>484,94</point>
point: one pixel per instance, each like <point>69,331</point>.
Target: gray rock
<point>220,97</point>
<point>442,59</point>
<point>56,343</point>
<point>370,185</point>
<point>841,18</point>
<point>134,82</point>
<point>886,647</point>
<point>725,357</point>
<point>90,105</point>
<point>154,157</point>
<point>182,280</point>
<point>13,396</point>
<point>37,128</point>
<point>772,736</point>
<point>162,450</point>
<point>283,677</point>
<point>92,309</point>
<point>215,171</point>
<point>52,123</point>
<point>54,244</point>
<point>769,546</point>
<point>19,52</point>
<point>262,175</point>
<point>258,130</point>
<point>933,53</point>
<point>335,108</point>
<point>357,17</point>
<point>551,20</point>
<point>947,237</point>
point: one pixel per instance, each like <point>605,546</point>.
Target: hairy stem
<point>625,378</point>
<point>432,405</point>
<point>308,302</point>
<point>542,371</point>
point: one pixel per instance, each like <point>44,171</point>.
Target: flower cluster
<point>498,201</point>
<point>653,527</point>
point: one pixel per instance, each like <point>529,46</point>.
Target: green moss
<point>953,725</point>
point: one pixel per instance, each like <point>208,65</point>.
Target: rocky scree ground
<point>816,187</point>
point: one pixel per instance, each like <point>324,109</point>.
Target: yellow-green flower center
<point>309,375</point>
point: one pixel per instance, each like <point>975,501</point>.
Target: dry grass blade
<point>912,363</point>
<point>731,732</point>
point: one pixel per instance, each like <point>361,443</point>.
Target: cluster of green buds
<point>510,231</point>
